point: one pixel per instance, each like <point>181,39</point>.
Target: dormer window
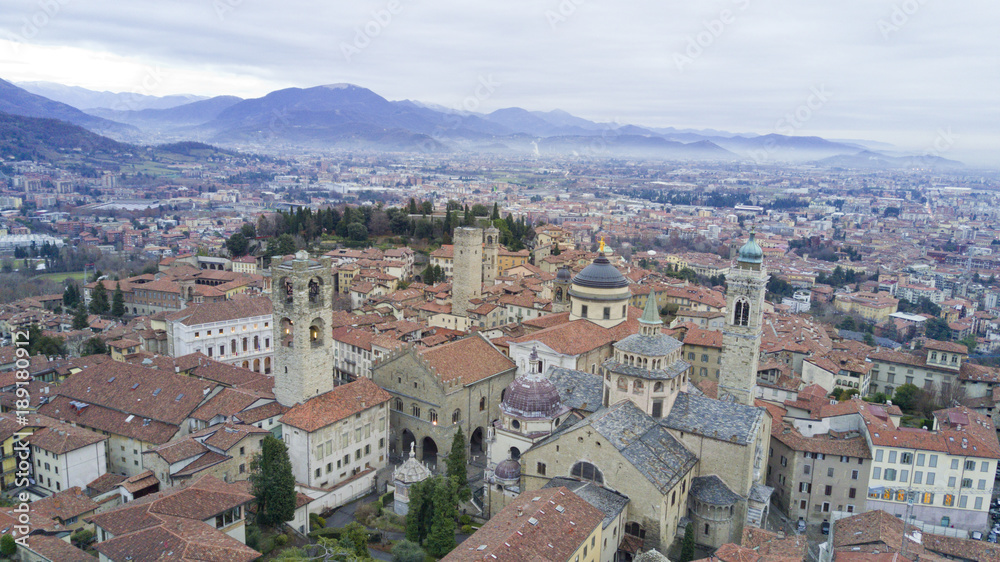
<point>933,356</point>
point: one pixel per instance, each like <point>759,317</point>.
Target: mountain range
<point>346,116</point>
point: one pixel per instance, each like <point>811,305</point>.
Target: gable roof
<point>335,405</point>
<point>469,360</point>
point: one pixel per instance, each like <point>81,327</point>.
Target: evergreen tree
<point>272,483</point>
<point>70,296</point>
<point>99,299</point>
<point>496,212</point>
<point>687,547</point>
<point>441,538</point>
<point>458,465</point>
<point>80,317</point>
<point>418,516</point>
<point>118,302</point>
<point>238,245</point>
<point>413,206</point>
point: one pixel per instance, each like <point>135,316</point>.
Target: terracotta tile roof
<point>704,338</point>
<point>109,420</point>
<point>62,438</point>
<point>64,505</point>
<point>166,397</point>
<point>547,524</point>
<point>335,405</point>
<point>54,548</point>
<point>105,483</point>
<point>580,336</point>
<point>254,415</point>
<point>947,346</point>
<point>177,538</point>
<point>228,402</point>
<point>470,359</point>
<point>222,311</point>
<point>976,439</point>
<point>827,444</point>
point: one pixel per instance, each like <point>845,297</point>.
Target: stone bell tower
<point>301,293</point>
<point>746,284</point>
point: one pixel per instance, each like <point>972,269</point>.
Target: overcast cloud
<point>901,71</point>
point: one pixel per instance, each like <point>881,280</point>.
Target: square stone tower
<point>491,255</point>
<point>467,277</point>
<point>745,287</point>
<point>301,295</point>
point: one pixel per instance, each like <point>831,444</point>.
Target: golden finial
<point>602,245</point>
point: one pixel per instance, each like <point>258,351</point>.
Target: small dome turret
<point>509,469</point>
<point>751,254</point>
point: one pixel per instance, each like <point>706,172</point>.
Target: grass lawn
<point>60,277</point>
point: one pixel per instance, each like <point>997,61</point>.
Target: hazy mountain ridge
<point>85,100</point>
<point>350,116</point>
<point>18,101</point>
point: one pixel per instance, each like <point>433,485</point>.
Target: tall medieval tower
<point>746,284</point>
<point>301,298</point>
<point>491,255</point>
<point>467,276</point>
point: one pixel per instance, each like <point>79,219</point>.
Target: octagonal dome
<point>532,396</point>
<point>600,275</point>
<point>509,469</point>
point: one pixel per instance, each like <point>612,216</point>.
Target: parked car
<point>976,536</point>
<point>992,538</point>
<point>825,528</point>
<point>801,526</point>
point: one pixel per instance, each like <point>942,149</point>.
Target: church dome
<point>532,396</point>
<point>564,274</point>
<point>751,252</point>
<point>601,275</point>
<point>509,469</point>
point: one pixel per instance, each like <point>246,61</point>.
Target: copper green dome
<point>751,251</point>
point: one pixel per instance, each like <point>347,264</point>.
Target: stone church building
<point>678,455</point>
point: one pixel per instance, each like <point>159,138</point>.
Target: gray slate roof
<point>674,370</point>
<point>647,445</point>
<point>650,346</point>
<point>711,489</point>
<point>610,503</point>
<point>725,421</point>
<point>761,493</point>
<point>579,390</point>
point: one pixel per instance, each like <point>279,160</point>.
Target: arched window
<point>741,312</point>
<point>245,345</point>
<point>416,411</point>
<point>456,415</point>
<point>658,387</point>
<point>398,405</point>
<point>622,384</point>
<point>482,403</point>
<point>232,346</point>
<point>256,343</point>
<point>586,471</point>
<point>638,387</point>
<point>433,416</point>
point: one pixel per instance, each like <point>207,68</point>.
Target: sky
<point>921,74</point>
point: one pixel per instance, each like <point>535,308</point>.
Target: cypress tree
<point>687,547</point>
<point>457,465</point>
<point>80,317</point>
<point>118,302</point>
<point>99,299</point>
<point>272,483</point>
<point>441,539</point>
